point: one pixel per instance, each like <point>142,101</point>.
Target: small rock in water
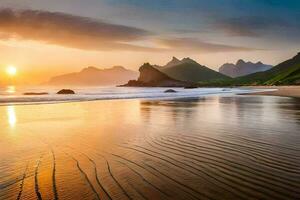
<point>35,93</point>
<point>170,91</point>
<point>191,87</point>
<point>65,91</point>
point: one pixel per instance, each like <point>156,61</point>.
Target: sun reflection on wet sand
<point>11,116</point>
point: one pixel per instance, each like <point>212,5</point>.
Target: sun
<point>11,70</point>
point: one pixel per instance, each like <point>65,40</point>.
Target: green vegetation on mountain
<point>191,71</point>
<point>285,73</point>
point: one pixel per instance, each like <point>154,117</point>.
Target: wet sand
<point>284,91</point>
<point>234,147</point>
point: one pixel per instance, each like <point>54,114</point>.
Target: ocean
<point>15,95</point>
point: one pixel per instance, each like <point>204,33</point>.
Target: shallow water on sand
<point>217,147</point>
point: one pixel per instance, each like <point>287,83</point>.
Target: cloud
<point>250,26</point>
<point>90,34</point>
<point>192,44</point>
<point>69,30</point>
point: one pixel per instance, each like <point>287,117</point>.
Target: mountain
<point>150,76</point>
<point>92,76</point>
<point>285,73</point>
<point>174,61</point>
<point>242,68</point>
<point>190,71</point>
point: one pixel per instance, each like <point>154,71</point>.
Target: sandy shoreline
<point>175,149</point>
<point>284,91</point>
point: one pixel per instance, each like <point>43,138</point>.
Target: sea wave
<point>106,93</point>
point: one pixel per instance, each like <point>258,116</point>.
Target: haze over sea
<point>202,145</point>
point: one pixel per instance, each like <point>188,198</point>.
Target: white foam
<point>104,93</point>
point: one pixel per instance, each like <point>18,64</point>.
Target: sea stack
<point>65,91</point>
<point>152,77</point>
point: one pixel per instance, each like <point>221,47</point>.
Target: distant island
<point>92,76</point>
<point>242,68</point>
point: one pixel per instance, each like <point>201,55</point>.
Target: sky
<point>46,38</point>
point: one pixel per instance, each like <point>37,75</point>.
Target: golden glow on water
<point>10,89</point>
<point>11,116</point>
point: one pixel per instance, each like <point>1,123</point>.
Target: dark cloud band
<point>192,44</point>
<point>253,26</point>
<point>68,30</point>
<point>90,34</point>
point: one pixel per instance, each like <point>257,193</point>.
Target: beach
<point>284,91</point>
<point>209,147</point>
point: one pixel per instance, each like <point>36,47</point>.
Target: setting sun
<point>11,70</point>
